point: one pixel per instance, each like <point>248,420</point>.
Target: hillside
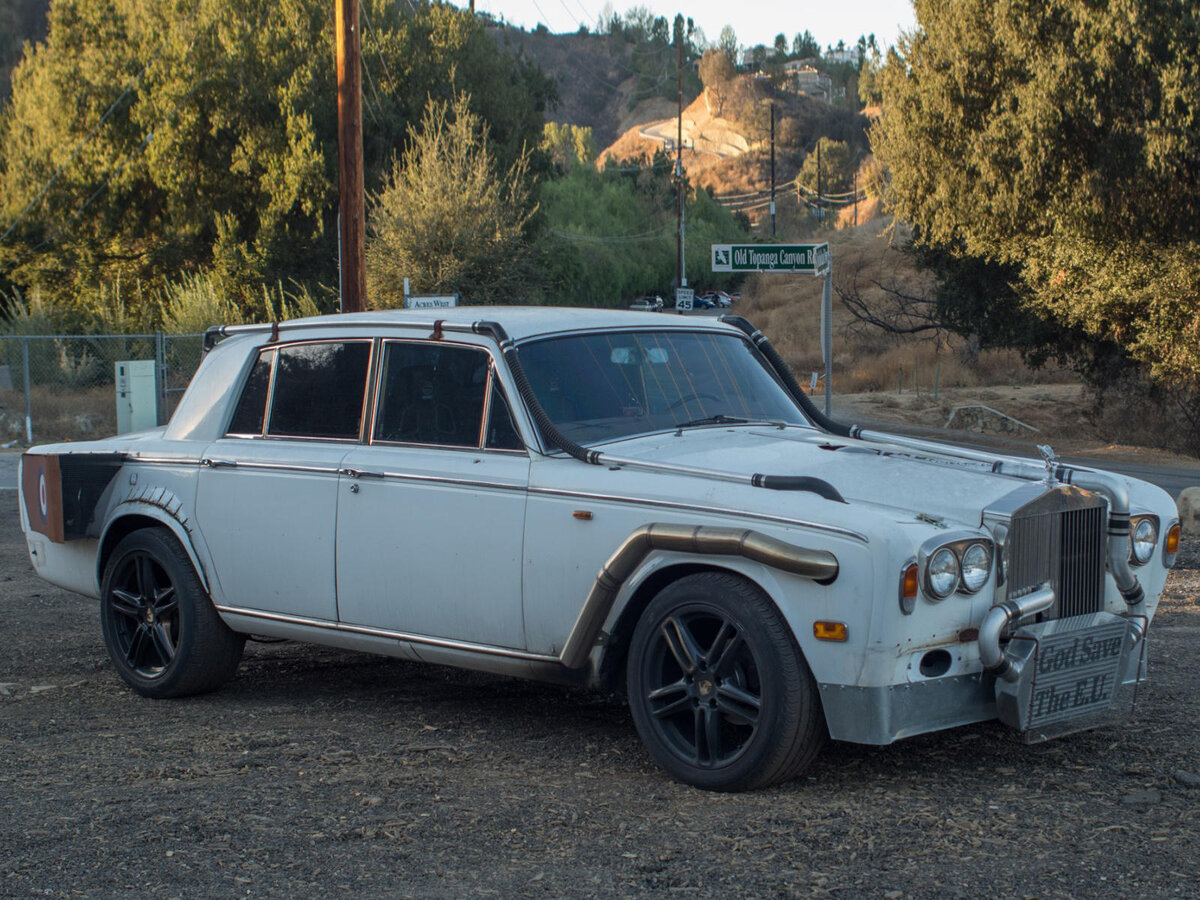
<point>727,139</point>
<point>603,82</point>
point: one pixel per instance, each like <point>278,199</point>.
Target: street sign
<point>683,299</point>
<point>431,301</point>
<point>811,258</point>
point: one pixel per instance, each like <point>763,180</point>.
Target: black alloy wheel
<point>718,689</point>
<point>145,612</point>
<point>161,631</point>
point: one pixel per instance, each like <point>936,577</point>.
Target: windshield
<point>601,387</point>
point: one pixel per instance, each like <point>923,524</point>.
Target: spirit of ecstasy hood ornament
<point>1050,461</point>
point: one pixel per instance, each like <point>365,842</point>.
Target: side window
<point>501,432</point>
<point>431,393</point>
<point>319,390</point>
<point>252,406</point>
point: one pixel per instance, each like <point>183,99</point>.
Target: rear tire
<point>718,688</point>
<point>160,628</point>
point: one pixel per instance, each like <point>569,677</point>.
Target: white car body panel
<point>436,514</point>
<point>269,510</point>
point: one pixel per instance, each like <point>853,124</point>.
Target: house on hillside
<point>843,54</point>
<point>805,79</point>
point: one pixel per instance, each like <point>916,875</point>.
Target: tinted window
<point>431,394</point>
<point>248,417</point>
<point>501,433</point>
<point>319,390</point>
<point>606,386</point>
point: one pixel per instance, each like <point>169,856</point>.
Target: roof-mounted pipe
<point>1118,496</point>
<point>551,433</point>
<point>789,381</point>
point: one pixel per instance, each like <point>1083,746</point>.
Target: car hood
<point>903,482</point>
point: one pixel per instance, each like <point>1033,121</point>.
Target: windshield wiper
<point>718,419</point>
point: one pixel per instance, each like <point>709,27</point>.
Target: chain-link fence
<point>65,387</point>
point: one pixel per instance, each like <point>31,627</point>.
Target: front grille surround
<point>1055,536</point>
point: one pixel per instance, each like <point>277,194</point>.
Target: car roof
<point>520,322</point>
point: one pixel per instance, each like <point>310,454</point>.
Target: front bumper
<point>1069,693</point>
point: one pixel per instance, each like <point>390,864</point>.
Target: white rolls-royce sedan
<point>619,499</point>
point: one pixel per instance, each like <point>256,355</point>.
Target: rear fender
<point>152,507</point>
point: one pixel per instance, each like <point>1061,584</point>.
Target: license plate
<point>1076,672</point>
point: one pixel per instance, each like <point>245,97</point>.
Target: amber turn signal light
<point>1172,545</point>
<point>829,631</point>
<point>909,584</point>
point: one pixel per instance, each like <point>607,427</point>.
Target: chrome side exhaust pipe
<point>819,565</point>
<point>998,618</point>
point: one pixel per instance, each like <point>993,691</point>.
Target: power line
<point>378,45</point>
<point>612,238</point>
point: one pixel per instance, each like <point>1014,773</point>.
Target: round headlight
<point>1145,538</point>
<point>976,566</point>
<point>942,573</point>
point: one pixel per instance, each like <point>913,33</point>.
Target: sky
<point>755,21</point>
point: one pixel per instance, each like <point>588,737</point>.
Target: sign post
<point>814,259</point>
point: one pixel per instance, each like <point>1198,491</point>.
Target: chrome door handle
<point>359,473</point>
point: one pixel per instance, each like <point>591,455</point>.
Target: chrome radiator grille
<point>1065,548</point>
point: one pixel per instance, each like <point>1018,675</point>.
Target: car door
<point>268,492</point>
<point>431,514</point>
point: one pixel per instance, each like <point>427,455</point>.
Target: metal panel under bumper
<point>881,715</point>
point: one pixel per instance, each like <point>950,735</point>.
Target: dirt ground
<point>318,773</point>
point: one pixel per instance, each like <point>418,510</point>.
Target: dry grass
<point>60,414</point>
<point>788,308</point>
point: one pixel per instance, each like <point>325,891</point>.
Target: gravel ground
<point>318,772</point>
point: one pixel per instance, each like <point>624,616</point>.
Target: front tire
<point>719,691</point>
<point>160,628</point>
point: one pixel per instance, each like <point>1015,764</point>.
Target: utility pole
<point>772,170</point>
<point>855,176</point>
<point>820,205</point>
<point>352,216</point>
<point>681,277</point>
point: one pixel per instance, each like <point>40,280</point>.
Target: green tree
<point>805,46</point>
<point>20,21</point>
<point>781,47</point>
<point>568,145</point>
<point>448,219</point>
<point>147,139</point>
<point>610,236</point>
<point>836,173</point>
<point>1060,138</point>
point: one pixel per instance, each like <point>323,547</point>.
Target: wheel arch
<point>610,672</point>
<point>134,516</point>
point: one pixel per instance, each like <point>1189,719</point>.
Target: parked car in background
<point>652,302</point>
<point>703,301</point>
<point>602,498</point>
